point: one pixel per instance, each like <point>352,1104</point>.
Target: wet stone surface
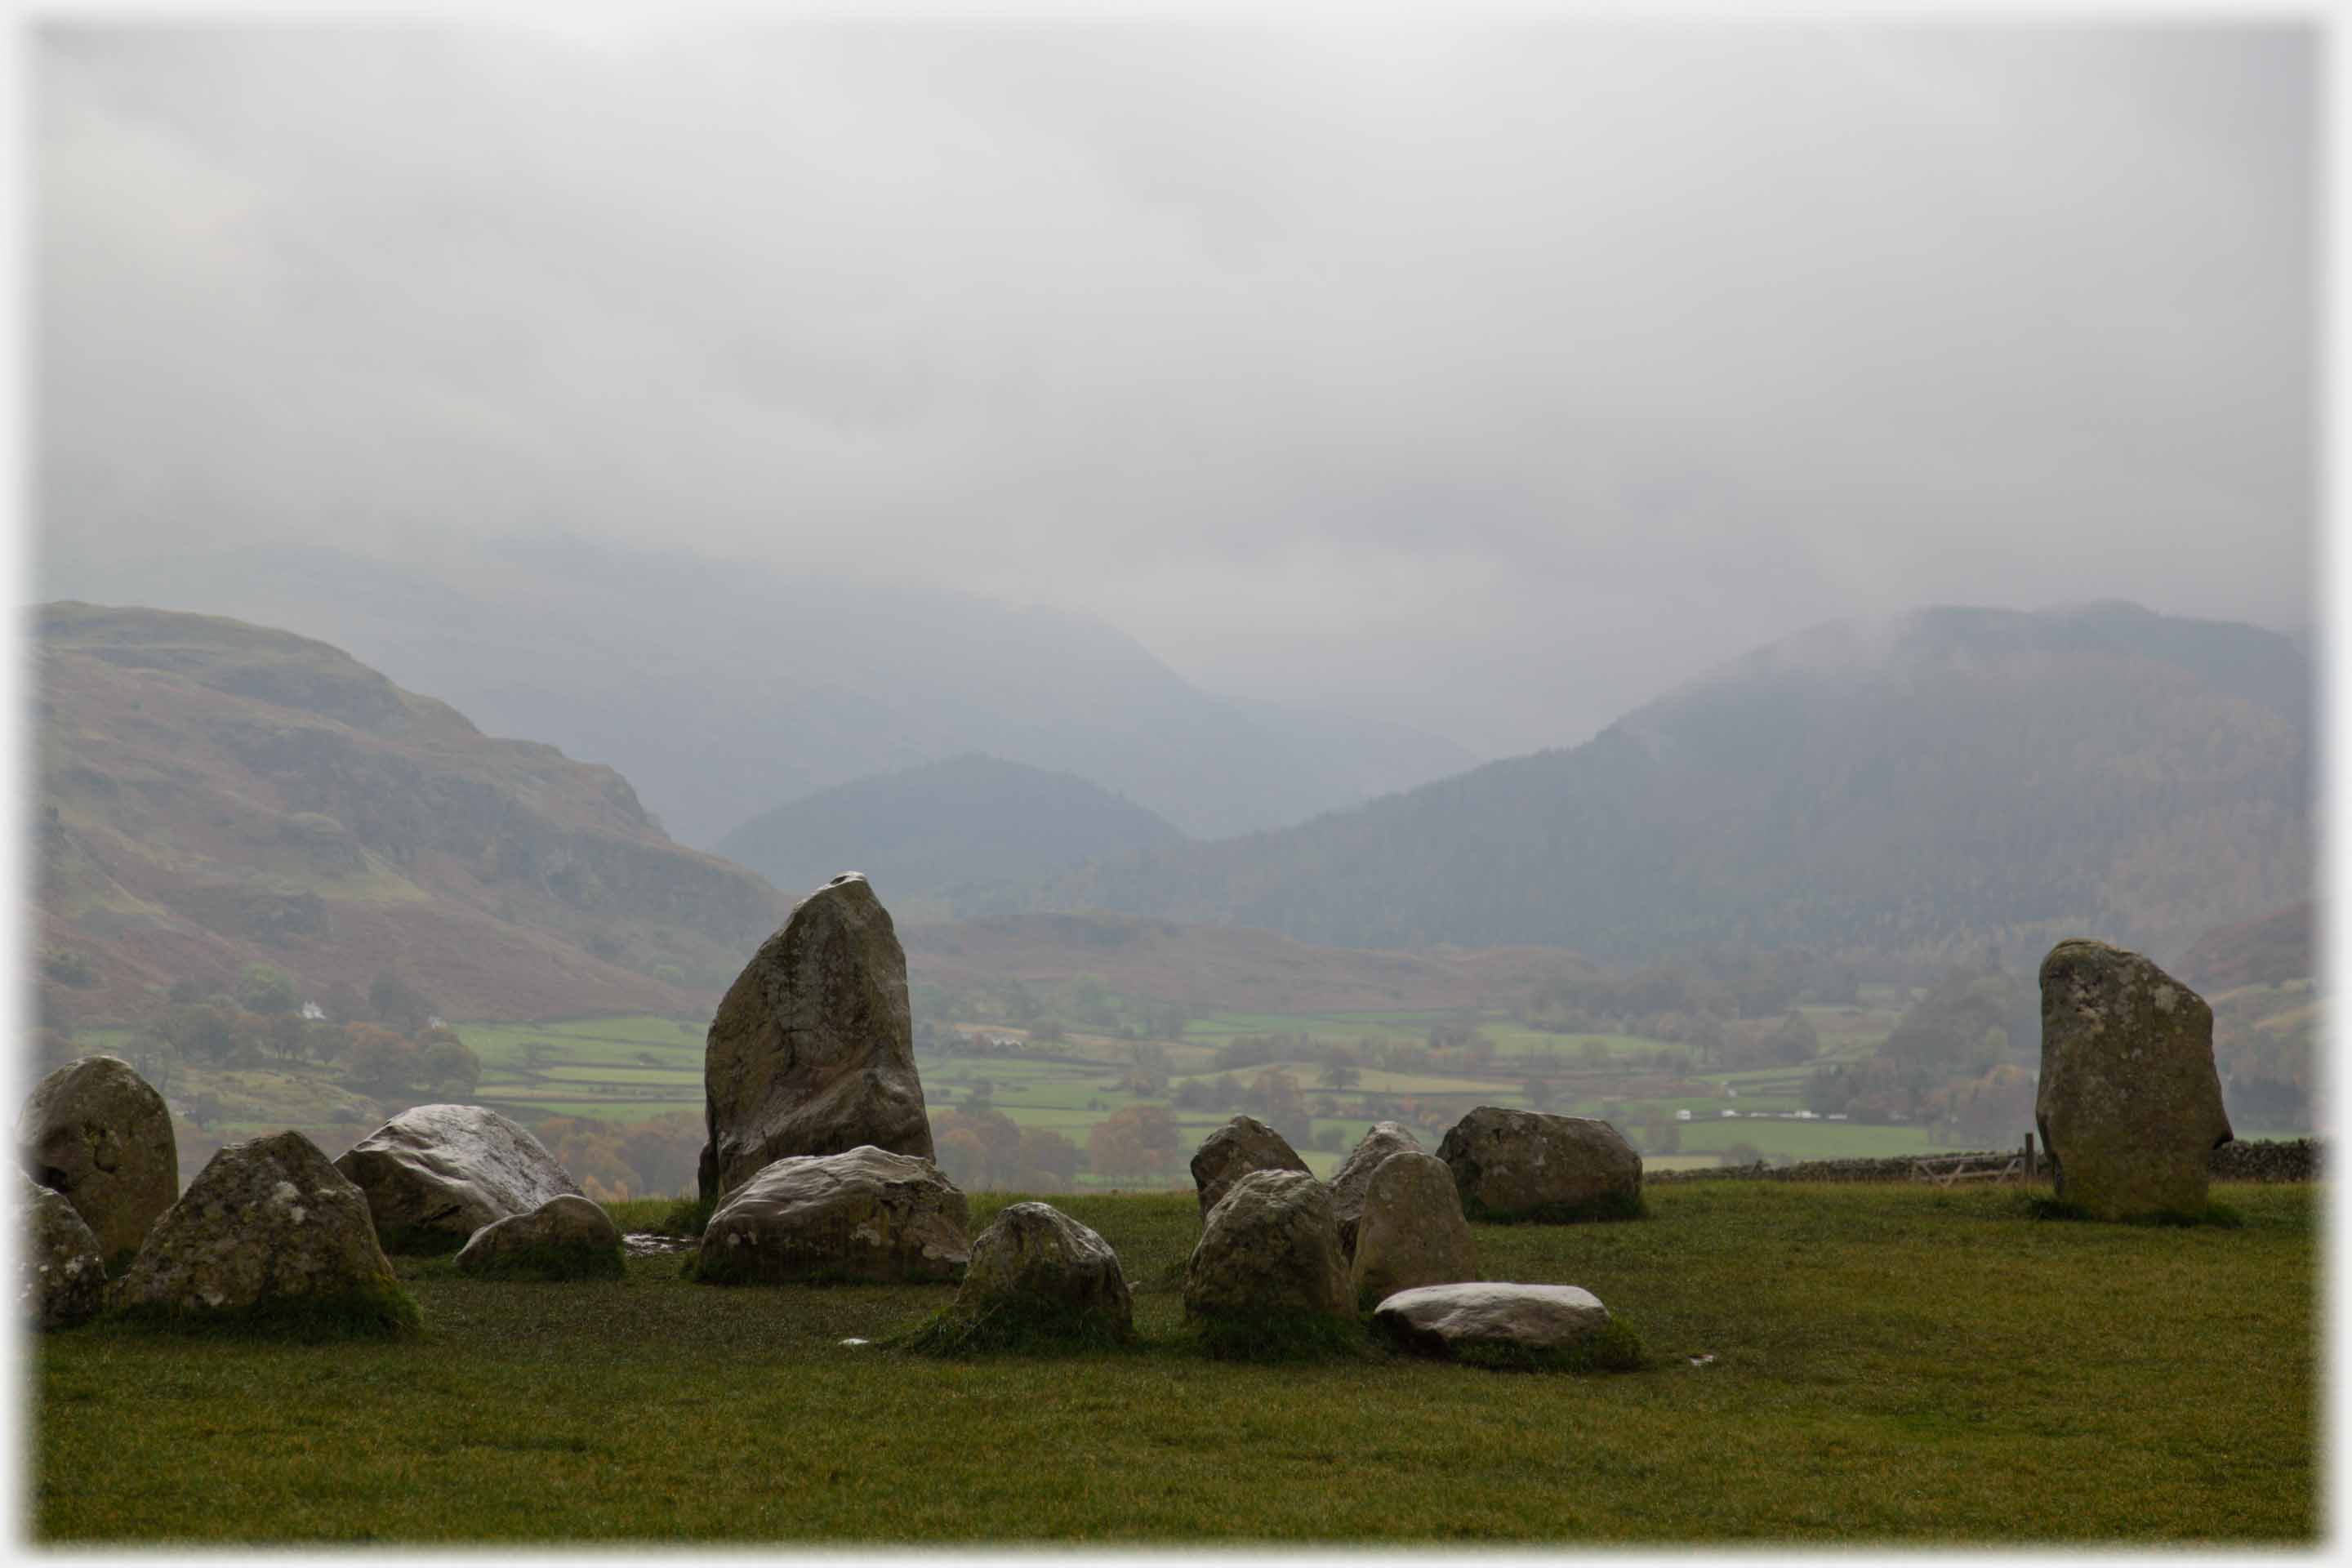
<point>652,1244</point>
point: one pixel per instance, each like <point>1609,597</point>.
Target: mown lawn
<point>1890,1364</point>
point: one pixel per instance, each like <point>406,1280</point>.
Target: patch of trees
<point>1136,1142</point>
<point>615,1161</point>
<point>386,1046</point>
<point>981,1149</point>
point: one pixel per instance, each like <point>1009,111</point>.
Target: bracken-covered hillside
<point>211,794</point>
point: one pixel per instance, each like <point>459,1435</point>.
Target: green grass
<point>1891,1364</point>
<point>552,1262</point>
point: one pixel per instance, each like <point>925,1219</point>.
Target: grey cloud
<point>1492,378</point>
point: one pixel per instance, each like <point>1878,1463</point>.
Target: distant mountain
<point>1953,778</point>
<point>211,793</point>
<point>972,831</point>
<point>722,689</point>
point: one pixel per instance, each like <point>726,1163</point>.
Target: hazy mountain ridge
<point>1953,777</point>
<point>975,832</point>
<point>212,793</point>
<point>724,691</point>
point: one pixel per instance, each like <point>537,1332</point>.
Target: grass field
<point>1889,1366</point>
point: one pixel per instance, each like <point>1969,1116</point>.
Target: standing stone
<point>95,1130</point>
<point>1412,1231</point>
<point>265,1224</point>
<point>1233,1151</point>
<point>566,1237</point>
<point>1036,1269</point>
<point>865,1214</point>
<point>1531,1165</point>
<point>1268,1250</point>
<point>60,1276</point>
<point>434,1175</point>
<point>2129,1104</point>
<point>812,1049</point>
<point>1386,1138</point>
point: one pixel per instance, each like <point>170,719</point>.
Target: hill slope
<point>720,688</point>
<point>2267,950</point>
<point>972,829</point>
<point>1955,777</point>
<point>211,793</point>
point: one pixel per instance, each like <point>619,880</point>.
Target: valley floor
<point>1888,1364</point>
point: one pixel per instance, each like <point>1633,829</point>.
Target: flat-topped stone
<point>1448,1318</point>
<point>866,1214</point>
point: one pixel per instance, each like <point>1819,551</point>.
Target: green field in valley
<point>1896,1366</point>
<point>631,1070</point>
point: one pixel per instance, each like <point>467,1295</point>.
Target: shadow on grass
<point>1274,1338</point>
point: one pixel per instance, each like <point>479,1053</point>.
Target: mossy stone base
<point>1010,1328</point>
<point>387,1312</point>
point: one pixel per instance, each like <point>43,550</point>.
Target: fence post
<point>2029,1157</point>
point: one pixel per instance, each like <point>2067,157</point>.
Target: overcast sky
<point>1492,379</point>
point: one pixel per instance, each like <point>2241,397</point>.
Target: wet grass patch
<point>1831,1365</point>
<point>552,1263</point>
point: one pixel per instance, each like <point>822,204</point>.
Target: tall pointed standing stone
<point>812,1050</point>
<point>2129,1103</point>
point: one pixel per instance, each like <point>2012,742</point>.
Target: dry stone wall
<point>2289,1160</point>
